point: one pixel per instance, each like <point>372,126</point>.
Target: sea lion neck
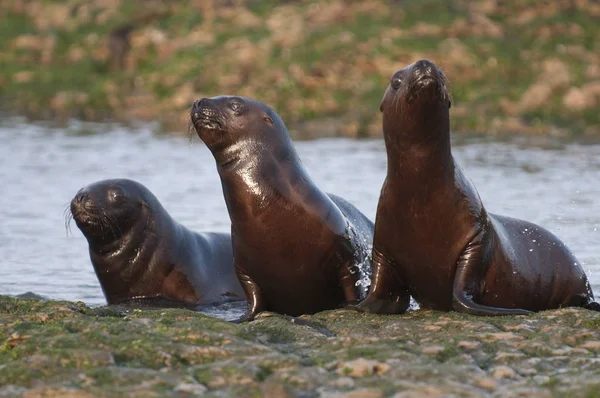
<point>255,172</point>
<point>411,153</point>
<point>132,244</point>
<point>253,153</point>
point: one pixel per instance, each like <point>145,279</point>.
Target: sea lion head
<point>106,210</point>
<point>227,120</point>
<point>416,100</point>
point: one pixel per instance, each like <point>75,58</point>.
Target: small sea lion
<point>140,254</point>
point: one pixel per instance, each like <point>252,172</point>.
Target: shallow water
<point>41,169</point>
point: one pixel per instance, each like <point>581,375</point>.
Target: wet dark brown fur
<point>297,250</point>
<point>434,239</point>
<point>140,253</point>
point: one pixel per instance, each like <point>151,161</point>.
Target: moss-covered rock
<point>69,349</point>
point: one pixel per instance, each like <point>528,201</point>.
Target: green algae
<point>114,351</point>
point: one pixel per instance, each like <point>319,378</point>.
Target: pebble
<point>432,349</point>
<point>591,345</point>
<point>469,345</point>
<point>420,392</point>
<point>51,392</point>
<point>343,382</point>
<point>190,388</point>
<point>363,393</point>
<point>541,379</point>
<point>487,383</point>
<point>508,355</point>
<point>503,372</point>
<point>432,328</point>
<point>362,367</point>
<point>501,336</point>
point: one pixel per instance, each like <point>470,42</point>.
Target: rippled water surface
<point>41,170</point>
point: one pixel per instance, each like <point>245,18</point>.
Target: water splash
<point>362,252</point>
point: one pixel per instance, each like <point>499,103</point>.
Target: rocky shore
<point>57,348</point>
<point>515,66</point>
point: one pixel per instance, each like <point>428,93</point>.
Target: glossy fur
<point>141,254</point>
<point>434,239</point>
<point>297,250</point>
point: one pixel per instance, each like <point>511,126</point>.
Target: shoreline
<point>513,67</point>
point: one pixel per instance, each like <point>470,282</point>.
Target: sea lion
<point>434,239</point>
<point>297,250</point>
<point>140,254</point>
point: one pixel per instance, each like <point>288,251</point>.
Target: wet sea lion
<point>140,254</point>
<point>297,250</point>
<point>434,239</point>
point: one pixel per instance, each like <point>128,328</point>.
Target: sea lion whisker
<point>106,222</point>
<point>191,131</point>
<point>111,222</point>
<point>68,216</point>
<point>396,101</point>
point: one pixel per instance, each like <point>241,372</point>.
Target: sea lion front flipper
<point>387,294</point>
<point>253,295</point>
<point>465,281</point>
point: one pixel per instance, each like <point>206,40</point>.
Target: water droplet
<point>533,240</point>
<point>530,250</point>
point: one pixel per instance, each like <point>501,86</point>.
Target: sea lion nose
<point>200,103</point>
<point>424,63</point>
<point>81,198</point>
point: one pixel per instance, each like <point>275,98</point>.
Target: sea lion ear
<point>268,119</point>
<point>449,104</point>
<point>383,99</point>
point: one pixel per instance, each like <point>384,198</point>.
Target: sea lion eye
<point>115,196</point>
<point>396,83</point>
<point>236,106</point>
<point>269,120</point>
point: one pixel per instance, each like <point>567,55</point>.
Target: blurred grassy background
<point>514,66</point>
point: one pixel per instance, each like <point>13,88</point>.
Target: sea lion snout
<point>202,109</point>
<point>81,202</point>
<point>426,77</point>
<point>205,114</point>
<point>80,198</point>
<point>81,205</point>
